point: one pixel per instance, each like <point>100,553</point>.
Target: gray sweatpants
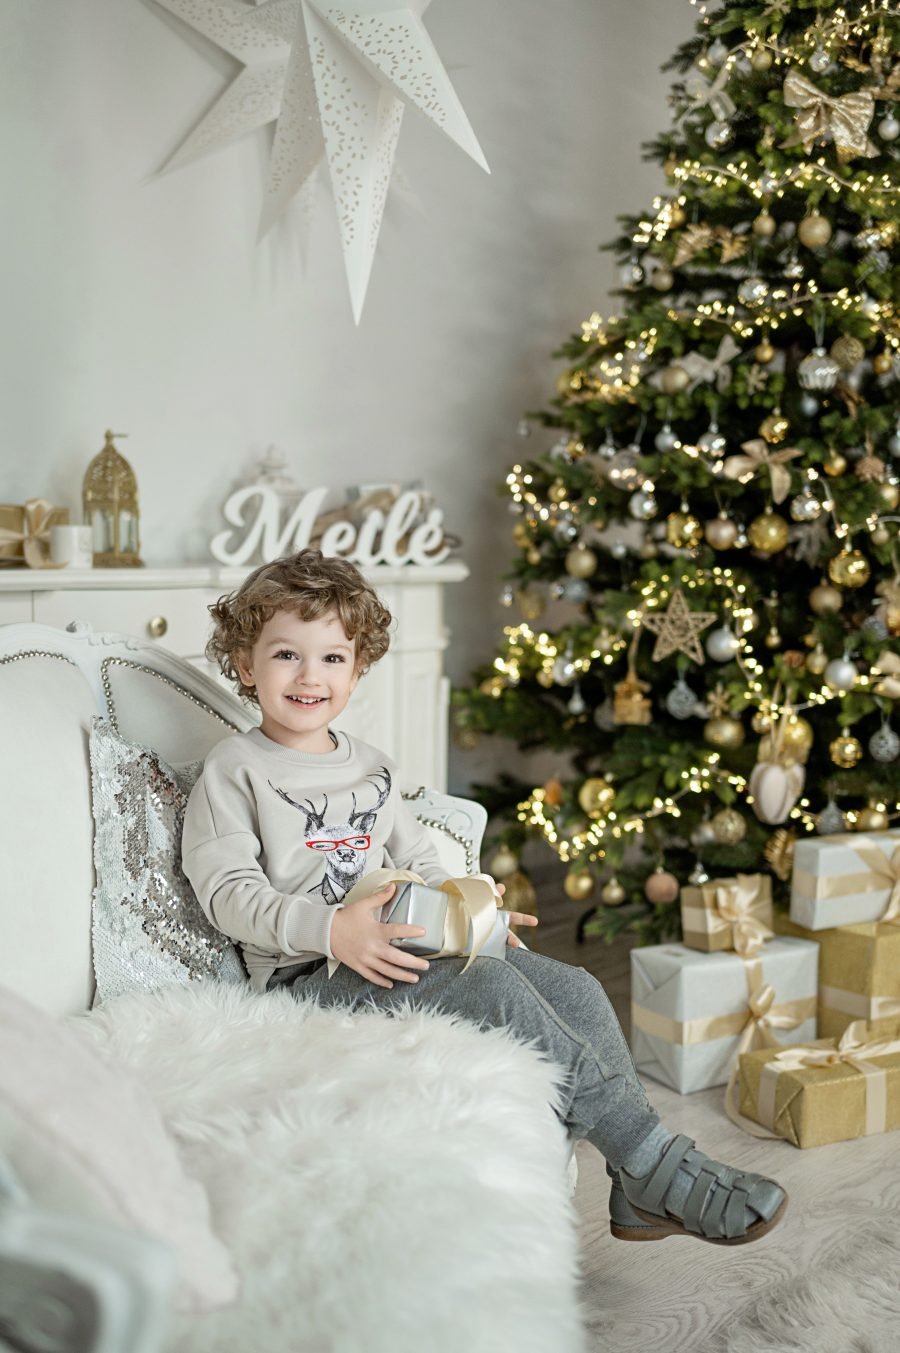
<point>563,1008</point>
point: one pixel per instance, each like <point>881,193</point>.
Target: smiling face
<point>304,672</point>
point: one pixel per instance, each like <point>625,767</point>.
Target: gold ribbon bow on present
<point>886,871</point>
<point>757,456</point>
<point>733,902</point>
<point>36,535</point>
<point>472,902</point>
<point>852,1050</point>
<point>888,664</point>
<point>844,119</point>
<point>757,1033</point>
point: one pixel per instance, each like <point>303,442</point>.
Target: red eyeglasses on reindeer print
<point>343,845</point>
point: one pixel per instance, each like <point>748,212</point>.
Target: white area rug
<point>850,1304</point>
<point>392,1185</point>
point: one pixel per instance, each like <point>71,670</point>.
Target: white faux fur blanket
<point>385,1184</point>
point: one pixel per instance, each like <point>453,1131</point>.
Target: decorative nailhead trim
<point>448,831</point>
<point>38,653</point>
<point>140,667</point>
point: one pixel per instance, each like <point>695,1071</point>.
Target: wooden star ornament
<point>678,629</point>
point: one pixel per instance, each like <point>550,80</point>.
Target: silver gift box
<point>417,904</point>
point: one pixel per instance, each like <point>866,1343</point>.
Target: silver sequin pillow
<point>148,927</point>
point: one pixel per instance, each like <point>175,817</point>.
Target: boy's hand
<point>363,942</point>
<point>516,918</point>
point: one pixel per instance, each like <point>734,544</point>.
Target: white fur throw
<point>388,1184</point>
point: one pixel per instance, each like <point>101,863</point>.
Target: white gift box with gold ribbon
<point>692,1012</point>
<point>847,879</point>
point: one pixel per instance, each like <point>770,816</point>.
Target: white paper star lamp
<point>334,79</point>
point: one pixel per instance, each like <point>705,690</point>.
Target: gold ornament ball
<point>814,231</point>
<point>581,562</point>
<point>612,894</point>
<point>845,751</point>
<point>533,556</point>
<point>467,739</point>
<point>761,60</point>
<point>661,887</point>
<point>530,604</point>
<point>768,533</point>
<point>673,379</point>
<point>557,492</point>
<point>520,894</point>
<point>798,737</point>
<point>872,819</point>
<point>676,214</point>
<point>663,279</point>
<point>724,732</point>
<point>596,796</point>
<point>765,225</point>
<point>578,884</point>
<point>521,535</point>
<point>683,531</point>
<point>729,827</point>
<point>835,464</point>
<point>553,792</point>
<point>850,569</point>
<point>847,351</point>
<point>817,661</point>
<point>881,535</point>
<point>774,428</point>
<point>825,599</point>
<point>720,533</point>
<point>761,721</point>
<point>544,678</point>
<point>669,166</point>
<point>503,863</point>
<point>764,351</point>
<point>882,363</point>
<point>890,494</point>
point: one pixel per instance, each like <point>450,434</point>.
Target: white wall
<point>143,303</point>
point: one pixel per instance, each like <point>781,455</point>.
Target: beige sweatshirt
<point>274,839</point>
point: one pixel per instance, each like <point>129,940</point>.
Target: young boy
<point>287,818</point>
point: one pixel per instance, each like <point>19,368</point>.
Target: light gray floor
<point>671,1296</point>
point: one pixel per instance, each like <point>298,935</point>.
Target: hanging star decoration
<point>758,455</point>
<point>678,629</point>
<point>335,81</point>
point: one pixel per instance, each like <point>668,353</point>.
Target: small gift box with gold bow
<point>827,1091</point>
<point>859,973</point>
<point>847,879</point>
<point>692,1013</point>
<point>25,532</point>
<point>732,913</point>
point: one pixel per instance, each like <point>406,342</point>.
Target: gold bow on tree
<point>701,369</point>
<point>695,238</point>
<point>759,455</point>
<point>844,120</point>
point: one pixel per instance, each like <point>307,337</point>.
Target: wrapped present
<point>827,1091</point>
<point>859,974</point>
<point>847,879</point>
<point>732,913</point>
<point>25,532</point>
<point>691,1013</point>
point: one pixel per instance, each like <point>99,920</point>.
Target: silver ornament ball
<point>681,702</point>
<point>698,875</point>
<point>809,405</point>
<point>889,128</point>
<point>711,441</point>
<point>841,674</point>
<point>722,644</point>
<point>666,439</point>
<point>884,744</point>
<point>819,61</point>
<point>753,291</point>
<point>642,505</point>
<point>718,135</point>
<point>818,371</point>
<point>830,820</point>
<point>576,590</point>
<point>623,472</point>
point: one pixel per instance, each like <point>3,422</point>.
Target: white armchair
<point>502,1278</point>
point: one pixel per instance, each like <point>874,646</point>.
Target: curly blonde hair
<point>309,585</point>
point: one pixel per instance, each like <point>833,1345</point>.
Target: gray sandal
<point>716,1206</point>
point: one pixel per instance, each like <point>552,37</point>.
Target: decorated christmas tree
<point>706,592</point>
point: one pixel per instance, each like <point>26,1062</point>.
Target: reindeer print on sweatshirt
<point>344,846</point>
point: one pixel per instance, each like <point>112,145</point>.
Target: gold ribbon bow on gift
<point>758,455</point>
<point>886,871</point>
<point>733,902</point>
<point>888,664</point>
<point>852,1050</point>
<point>36,535</point>
<point>844,119</point>
<point>757,1033</point>
<point>472,902</point>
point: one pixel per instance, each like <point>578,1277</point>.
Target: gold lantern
<point>109,496</point>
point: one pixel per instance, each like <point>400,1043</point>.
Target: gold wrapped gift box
<point>859,973</point>
<point>826,1091</point>
<point>25,532</point>
<point>730,913</point>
